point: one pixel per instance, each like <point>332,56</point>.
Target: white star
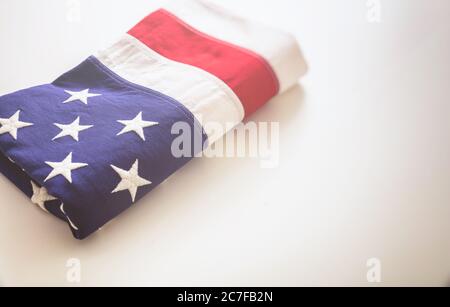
<point>130,180</point>
<point>81,96</point>
<point>12,124</point>
<point>136,125</point>
<point>71,130</point>
<point>64,168</point>
<point>40,196</point>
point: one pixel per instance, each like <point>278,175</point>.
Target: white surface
<point>364,159</point>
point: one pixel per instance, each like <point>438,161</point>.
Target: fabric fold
<point>247,73</point>
<point>279,48</point>
<point>203,94</point>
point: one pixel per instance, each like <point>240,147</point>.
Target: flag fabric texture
<point>92,143</point>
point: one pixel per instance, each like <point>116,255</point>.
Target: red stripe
<point>245,72</point>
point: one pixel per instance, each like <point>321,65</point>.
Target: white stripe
<point>280,49</point>
<point>68,219</point>
<point>207,97</point>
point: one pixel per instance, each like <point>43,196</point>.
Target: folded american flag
<point>93,142</point>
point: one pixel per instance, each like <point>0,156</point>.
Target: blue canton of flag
<point>89,145</point>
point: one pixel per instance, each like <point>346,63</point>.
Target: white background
<point>364,159</point>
